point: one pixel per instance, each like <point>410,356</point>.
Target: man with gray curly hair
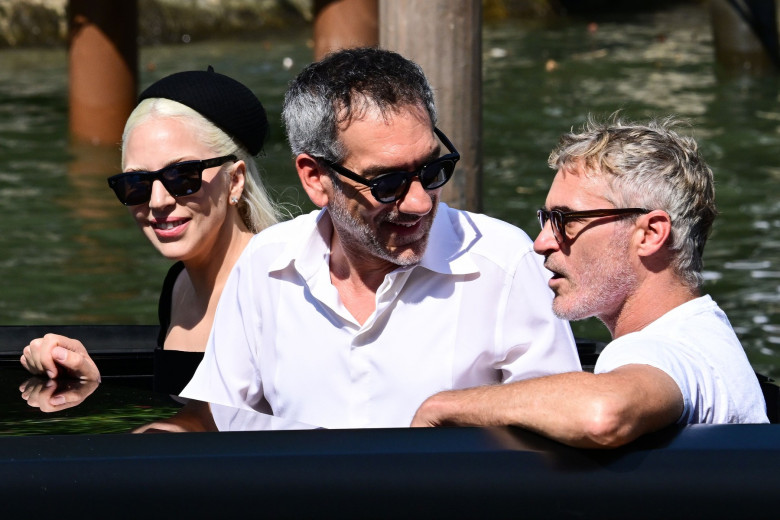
<point>623,232</point>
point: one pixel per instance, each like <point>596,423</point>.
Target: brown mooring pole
<point>745,36</point>
<point>342,24</point>
<point>444,38</point>
<point>103,68</point>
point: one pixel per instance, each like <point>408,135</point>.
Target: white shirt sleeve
<point>228,374</point>
<point>540,343</point>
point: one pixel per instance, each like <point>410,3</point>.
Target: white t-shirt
<point>695,344</point>
<point>476,310</point>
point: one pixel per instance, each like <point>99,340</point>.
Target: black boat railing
<point>118,350</point>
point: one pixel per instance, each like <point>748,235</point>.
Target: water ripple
<point>748,266</point>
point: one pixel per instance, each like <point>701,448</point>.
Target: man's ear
<point>314,179</point>
<point>656,227</point>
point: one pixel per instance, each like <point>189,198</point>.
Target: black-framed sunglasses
<point>180,179</point>
<point>389,187</point>
<point>558,218</point>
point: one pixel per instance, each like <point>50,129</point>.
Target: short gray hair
<point>256,208</point>
<point>651,166</point>
<point>344,85</point>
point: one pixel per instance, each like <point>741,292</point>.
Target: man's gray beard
<point>357,235</point>
<point>610,279</point>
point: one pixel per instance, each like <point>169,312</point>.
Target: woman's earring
<point>234,200</point>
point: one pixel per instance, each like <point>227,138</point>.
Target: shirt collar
<point>448,245</point>
<point>310,251</point>
<point>447,251</point>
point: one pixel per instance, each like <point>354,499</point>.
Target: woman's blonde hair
<point>255,207</point>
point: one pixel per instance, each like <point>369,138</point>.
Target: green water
<point>69,252</point>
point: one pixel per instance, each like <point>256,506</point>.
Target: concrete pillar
<point>341,24</point>
<point>445,38</point>
<point>103,68</point>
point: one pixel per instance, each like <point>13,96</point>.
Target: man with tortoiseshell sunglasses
<point>623,231</point>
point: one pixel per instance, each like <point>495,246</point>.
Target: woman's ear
<point>237,178</point>
<point>314,179</point>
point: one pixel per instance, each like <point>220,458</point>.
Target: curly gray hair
<point>652,166</point>
<point>344,85</point>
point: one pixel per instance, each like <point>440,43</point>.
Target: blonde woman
<point>190,182</point>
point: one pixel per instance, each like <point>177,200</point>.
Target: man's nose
<point>417,200</point>
<point>545,240</point>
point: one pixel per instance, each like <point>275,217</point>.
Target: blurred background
<point>70,253</point>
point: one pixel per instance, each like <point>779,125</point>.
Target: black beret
<point>222,100</point>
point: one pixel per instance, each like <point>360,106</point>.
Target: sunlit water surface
<point>69,252</point>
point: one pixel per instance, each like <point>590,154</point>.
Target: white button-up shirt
<point>475,310</point>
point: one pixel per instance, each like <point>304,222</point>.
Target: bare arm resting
<point>56,356</point>
<point>579,408</point>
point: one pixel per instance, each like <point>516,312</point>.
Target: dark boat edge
<point>713,471</point>
<point>118,350</point>
<point>720,470</point>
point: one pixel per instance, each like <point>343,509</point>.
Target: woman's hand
<point>57,356</point>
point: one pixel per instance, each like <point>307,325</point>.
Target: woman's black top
<point>173,369</point>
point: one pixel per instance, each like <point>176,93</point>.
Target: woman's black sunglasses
<point>390,187</point>
<point>180,179</point>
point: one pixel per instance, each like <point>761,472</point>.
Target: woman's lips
<point>169,228</point>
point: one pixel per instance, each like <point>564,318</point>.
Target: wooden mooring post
<point>444,37</point>
<point>745,36</point>
<point>341,24</point>
<point>103,68</point>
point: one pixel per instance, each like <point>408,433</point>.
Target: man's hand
<point>53,396</point>
<point>442,409</point>
<point>57,356</point>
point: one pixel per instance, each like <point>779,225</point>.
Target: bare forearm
<point>538,405</point>
<point>579,408</point>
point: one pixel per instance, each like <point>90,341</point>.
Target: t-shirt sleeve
<point>660,353</point>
